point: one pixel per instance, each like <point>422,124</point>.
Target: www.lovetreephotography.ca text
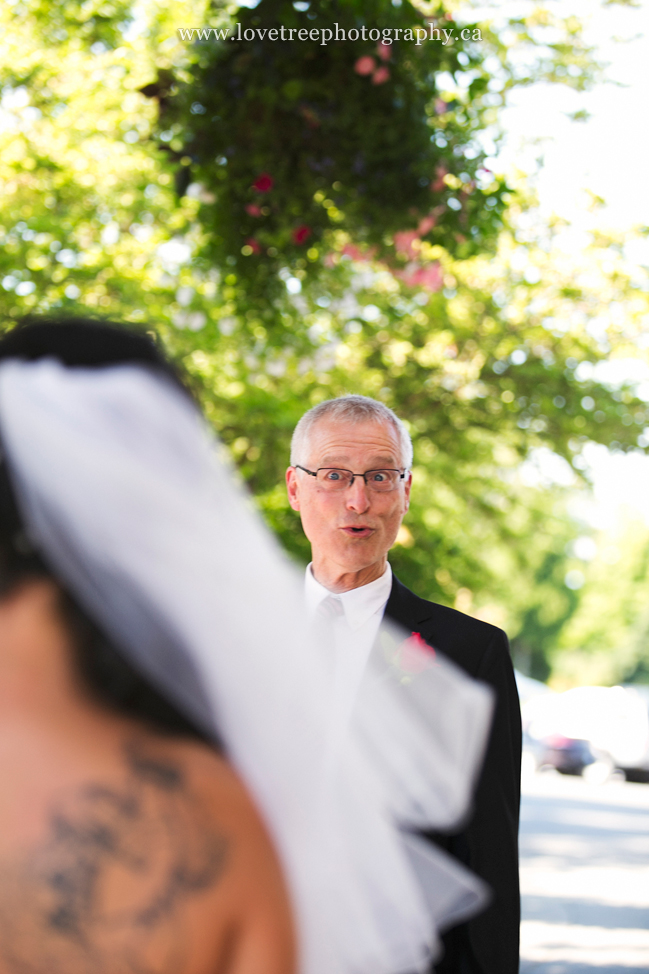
<point>416,35</point>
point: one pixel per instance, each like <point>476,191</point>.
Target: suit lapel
<point>405,607</point>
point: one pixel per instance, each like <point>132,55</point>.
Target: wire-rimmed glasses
<point>335,478</point>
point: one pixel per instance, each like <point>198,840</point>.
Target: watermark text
<point>325,35</point>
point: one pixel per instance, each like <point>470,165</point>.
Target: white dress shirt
<point>354,630</point>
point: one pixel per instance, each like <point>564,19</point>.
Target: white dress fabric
<point>125,492</point>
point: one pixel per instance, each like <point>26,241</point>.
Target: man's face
<point>350,530</point>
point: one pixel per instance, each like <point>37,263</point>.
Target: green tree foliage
<point>488,356</point>
<point>296,139</point>
<point>483,379</point>
<point>303,141</point>
<point>606,639</point>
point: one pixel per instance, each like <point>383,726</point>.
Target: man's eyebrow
<point>333,458</point>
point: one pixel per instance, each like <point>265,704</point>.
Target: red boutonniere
<point>414,654</point>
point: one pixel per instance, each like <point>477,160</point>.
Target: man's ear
<point>407,486</point>
<point>293,488</point>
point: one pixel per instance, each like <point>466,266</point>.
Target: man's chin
<point>358,556</point>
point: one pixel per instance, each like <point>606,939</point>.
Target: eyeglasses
<point>333,478</point>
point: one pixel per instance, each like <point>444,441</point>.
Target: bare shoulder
<point>204,770</point>
<point>154,859</point>
<point>213,786</point>
<point>252,892</point>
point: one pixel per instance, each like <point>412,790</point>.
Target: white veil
<point>121,488</point>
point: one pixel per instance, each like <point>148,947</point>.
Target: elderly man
<point>349,479</point>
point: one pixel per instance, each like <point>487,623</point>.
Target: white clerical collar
<point>359,603</point>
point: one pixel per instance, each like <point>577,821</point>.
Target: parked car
<point>591,731</point>
<point>545,748</point>
<point>634,759</point>
<point>568,755</point>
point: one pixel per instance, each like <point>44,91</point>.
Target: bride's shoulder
<point>220,822</point>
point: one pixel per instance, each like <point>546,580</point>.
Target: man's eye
<point>379,476</point>
<point>333,475</point>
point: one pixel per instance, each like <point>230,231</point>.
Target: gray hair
<point>354,409</point>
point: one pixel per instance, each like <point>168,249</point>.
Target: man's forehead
<point>338,439</point>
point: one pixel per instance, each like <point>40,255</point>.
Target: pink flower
<point>352,251</point>
<point>380,76</point>
<point>438,184</point>
<point>301,234</point>
<point>253,210</point>
<point>428,276</point>
<point>403,242</point>
<point>414,654</point>
<point>418,640</point>
<point>440,106</point>
<point>355,253</point>
<point>365,65</point>
<point>254,245</point>
<point>426,224</point>
<point>263,183</point>
<point>384,51</point>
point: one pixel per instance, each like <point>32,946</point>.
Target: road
<point>584,876</point>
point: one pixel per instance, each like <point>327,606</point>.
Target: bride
<point>179,798</point>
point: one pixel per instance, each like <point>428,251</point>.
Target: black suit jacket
<point>488,844</point>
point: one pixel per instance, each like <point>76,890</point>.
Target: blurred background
<point>446,209</point>
<point>456,225</point>
<point>457,228</point>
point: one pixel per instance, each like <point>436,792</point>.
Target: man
<point>349,479</point>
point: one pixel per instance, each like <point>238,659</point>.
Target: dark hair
<point>85,343</point>
<point>110,678</point>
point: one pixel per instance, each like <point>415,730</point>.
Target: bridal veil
<point>127,496</point>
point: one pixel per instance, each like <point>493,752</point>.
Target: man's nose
<point>357,498</point>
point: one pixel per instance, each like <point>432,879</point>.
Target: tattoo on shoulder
<point>107,890</point>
